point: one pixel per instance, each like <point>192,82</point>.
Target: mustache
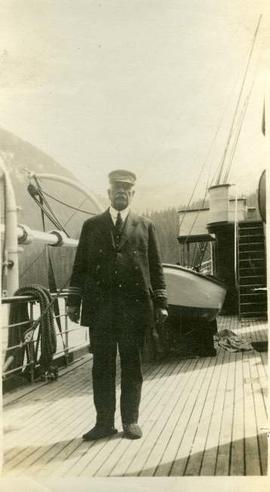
<point>120,194</point>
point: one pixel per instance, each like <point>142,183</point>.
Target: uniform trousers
<point>120,323</point>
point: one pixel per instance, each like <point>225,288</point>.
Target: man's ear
<point>109,193</point>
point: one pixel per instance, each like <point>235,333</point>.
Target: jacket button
<point>137,284</point>
<point>120,285</point>
<point>115,271</point>
<point>101,250</point>
<point>134,252</point>
<point>136,267</point>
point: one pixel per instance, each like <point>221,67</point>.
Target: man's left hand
<point>161,315</point>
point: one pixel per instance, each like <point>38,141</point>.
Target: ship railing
<point>72,339</point>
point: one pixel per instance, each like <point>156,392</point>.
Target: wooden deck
<point>203,416</point>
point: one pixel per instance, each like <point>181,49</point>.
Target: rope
<point>24,337</point>
<point>68,205</point>
<point>238,101</point>
<point>34,192</point>
<point>234,147</point>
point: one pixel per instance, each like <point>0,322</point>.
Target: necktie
<point>118,228</point>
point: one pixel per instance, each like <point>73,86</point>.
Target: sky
<point>145,85</point>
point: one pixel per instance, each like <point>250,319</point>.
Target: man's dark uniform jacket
<point>101,270</point>
<point>117,285</point>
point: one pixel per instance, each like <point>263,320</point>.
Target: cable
<point>207,158</point>
<point>24,337</point>
<point>241,121</point>
<point>51,216</point>
<point>238,101</point>
<point>68,205</point>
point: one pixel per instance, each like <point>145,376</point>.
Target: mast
<point>223,160</point>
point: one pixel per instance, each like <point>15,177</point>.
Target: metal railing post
<point>66,333</point>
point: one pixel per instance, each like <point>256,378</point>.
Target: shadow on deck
<point>205,416</point>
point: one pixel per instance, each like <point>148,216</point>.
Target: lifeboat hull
<point>197,296</point>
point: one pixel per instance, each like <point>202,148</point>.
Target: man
<point>118,276</point>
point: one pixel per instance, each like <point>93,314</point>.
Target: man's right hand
<point>73,313</point>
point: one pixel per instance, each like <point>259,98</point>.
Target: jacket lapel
<point>128,229</point>
<point>106,228</point>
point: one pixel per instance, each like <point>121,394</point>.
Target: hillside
<point>18,156</point>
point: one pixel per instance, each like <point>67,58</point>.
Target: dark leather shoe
<point>132,431</point>
<point>98,432</point>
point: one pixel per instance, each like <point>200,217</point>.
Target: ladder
<point>252,303</point>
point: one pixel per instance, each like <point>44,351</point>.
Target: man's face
<point>120,195</point>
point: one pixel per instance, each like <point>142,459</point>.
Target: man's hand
<point>161,315</point>
<point>73,313</point>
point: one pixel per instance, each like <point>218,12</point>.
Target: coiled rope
<point>22,339</point>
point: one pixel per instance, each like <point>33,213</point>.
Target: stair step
<point>254,304</point>
<point>241,260</point>
<point>250,224</point>
<point>245,227</point>
<point>262,293</point>
<point>243,299</point>
<point>251,282</point>
<point>251,228</point>
<point>249,248</point>
<point>256,279</point>
<point>256,243</point>
<point>251,272</point>
<point>251,238</point>
<point>252,253</point>
<point>254,315</point>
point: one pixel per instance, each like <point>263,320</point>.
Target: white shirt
<point>124,213</point>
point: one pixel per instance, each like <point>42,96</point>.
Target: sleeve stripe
<point>160,293</point>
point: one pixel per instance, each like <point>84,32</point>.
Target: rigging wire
<point>42,252</point>
<point>51,215</point>
<point>241,121</point>
<point>221,166</point>
<point>208,155</point>
<point>202,169</point>
<point>223,159</point>
<point>68,205</point>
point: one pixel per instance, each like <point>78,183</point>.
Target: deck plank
<point>260,411</point>
<point>76,464</point>
<point>204,416</point>
<point>208,466</point>
<point>252,458</point>
<point>189,402</point>
<point>124,451</point>
<point>237,447</point>
<point>137,452</point>
<point>225,437</point>
<point>195,459</point>
<point>90,465</point>
<point>163,427</point>
<point>66,428</point>
<point>179,467</point>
